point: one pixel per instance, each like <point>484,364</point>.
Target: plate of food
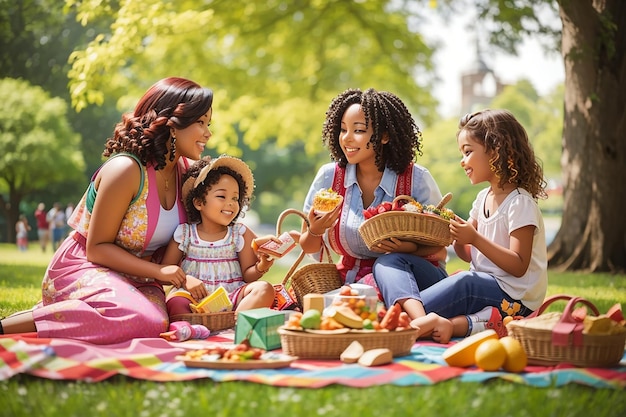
<point>238,357</point>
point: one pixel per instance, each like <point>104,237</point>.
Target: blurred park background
<point>68,70</point>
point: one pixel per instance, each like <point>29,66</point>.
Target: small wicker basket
<point>330,346</point>
<point>212,321</point>
<point>553,338</point>
<point>425,229</point>
<point>318,277</point>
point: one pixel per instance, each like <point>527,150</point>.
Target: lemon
<point>516,358</point>
<point>490,355</point>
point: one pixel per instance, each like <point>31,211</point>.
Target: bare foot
<point>442,332</point>
<point>434,326</point>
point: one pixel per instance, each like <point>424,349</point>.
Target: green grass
<point>20,277</point>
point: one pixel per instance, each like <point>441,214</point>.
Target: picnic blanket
<point>153,359</point>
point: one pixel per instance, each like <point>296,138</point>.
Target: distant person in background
<point>43,232</point>
<point>56,219</point>
<point>21,232</point>
<point>69,209</point>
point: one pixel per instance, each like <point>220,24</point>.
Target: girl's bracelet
<point>315,234</point>
<point>256,267</point>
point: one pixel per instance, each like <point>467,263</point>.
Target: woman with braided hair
<point>105,283</point>
<point>373,141</point>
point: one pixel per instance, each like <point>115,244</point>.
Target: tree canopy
<point>275,65</point>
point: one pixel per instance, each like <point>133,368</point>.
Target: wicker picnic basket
<point>213,321</point>
<point>317,277</point>
<point>553,338</point>
<point>326,345</point>
<point>425,229</point>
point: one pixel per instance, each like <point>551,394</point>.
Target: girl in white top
<point>503,240</point>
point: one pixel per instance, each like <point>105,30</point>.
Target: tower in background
<point>479,84</point>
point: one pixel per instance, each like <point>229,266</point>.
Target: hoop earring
<point>173,148</point>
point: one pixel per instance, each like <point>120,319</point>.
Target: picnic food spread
<point>349,311</point>
<point>326,200</point>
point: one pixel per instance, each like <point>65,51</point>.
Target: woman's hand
<point>172,274</point>
<point>395,245</point>
<point>196,288</point>
<point>319,223</point>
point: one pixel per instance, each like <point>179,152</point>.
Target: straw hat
<point>231,162</point>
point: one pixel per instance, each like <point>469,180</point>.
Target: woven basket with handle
<point>318,277</point>
<point>553,338</point>
<point>213,321</point>
<point>330,345</point>
<point>425,229</point>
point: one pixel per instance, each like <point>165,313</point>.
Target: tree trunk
<point>592,236</point>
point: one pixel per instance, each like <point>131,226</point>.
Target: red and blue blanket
<point>154,360</point>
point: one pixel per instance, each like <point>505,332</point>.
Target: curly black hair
<point>199,193</point>
<point>513,160</point>
<point>388,116</point>
<point>171,102</point>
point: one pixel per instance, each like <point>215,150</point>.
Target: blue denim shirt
<point>424,190</point>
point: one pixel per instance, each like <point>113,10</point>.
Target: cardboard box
<point>260,327</point>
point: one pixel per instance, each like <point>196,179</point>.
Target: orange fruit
<point>490,355</point>
<point>516,358</point>
<point>507,320</point>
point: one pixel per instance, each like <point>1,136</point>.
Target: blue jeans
<point>400,276</point>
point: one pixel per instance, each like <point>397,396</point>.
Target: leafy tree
<point>36,39</point>
<point>593,46</point>
<point>39,147</point>
<point>281,62</point>
<point>593,228</point>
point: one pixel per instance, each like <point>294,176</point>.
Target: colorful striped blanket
<point>154,360</point>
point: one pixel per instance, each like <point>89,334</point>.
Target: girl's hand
<point>462,232</point>
<point>172,274</point>
<point>196,288</point>
<point>261,240</point>
<point>265,262</point>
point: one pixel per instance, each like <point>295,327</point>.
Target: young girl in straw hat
<point>215,249</point>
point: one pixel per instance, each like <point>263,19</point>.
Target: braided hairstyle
<point>388,117</point>
<point>199,193</point>
<point>170,103</point>
<point>513,159</point>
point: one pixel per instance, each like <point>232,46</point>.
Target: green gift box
<point>260,327</point>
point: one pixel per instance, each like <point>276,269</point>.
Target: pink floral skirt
<point>89,302</point>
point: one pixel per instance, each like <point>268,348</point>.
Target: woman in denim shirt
<point>373,141</point>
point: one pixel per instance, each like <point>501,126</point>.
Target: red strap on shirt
<point>404,184</point>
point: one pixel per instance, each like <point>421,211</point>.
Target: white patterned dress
<point>214,263</point>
